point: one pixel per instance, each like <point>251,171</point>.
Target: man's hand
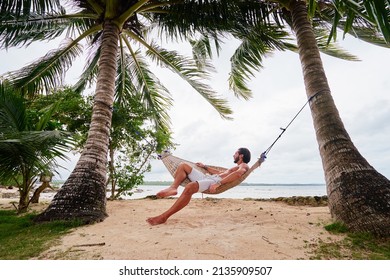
<point>213,188</point>
<point>262,157</point>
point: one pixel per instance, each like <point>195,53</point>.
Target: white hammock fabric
<point>172,162</point>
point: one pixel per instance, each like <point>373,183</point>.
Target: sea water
<point>256,191</point>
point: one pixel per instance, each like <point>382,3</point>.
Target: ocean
<point>245,190</point>
<point>256,191</point>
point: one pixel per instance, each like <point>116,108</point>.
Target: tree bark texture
<point>83,196</point>
<point>358,195</point>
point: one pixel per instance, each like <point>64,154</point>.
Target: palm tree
<point>26,148</point>
<point>359,196</point>
<point>350,197</point>
<point>116,32</point>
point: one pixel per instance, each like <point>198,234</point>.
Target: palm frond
<point>48,144</point>
<point>95,6</point>
<point>187,69</point>
<point>204,17</point>
<point>46,115</point>
<point>331,48</point>
<point>379,11</point>
<point>202,49</point>
<point>47,72</point>
<point>16,32</point>
<point>24,8</point>
<point>256,43</point>
<point>367,34</point>
<point>139,80</point>
<point>350,15</point>
<point>32,149</point>
<point>12,113</point>
<point>370,36</point>
<point>125,76</point>
<point>90,71</point>
<point>24,151</point>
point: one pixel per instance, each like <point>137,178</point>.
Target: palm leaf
<point>331,48</point>
<point>46,115</point>
<point>139,80</point>
<point>187,69</point>
<point>368,35</point>
<point>202,49</point>
<point>90,70</point>
<point>379,11</point>
<point>24,8</point>
<point>47,72</point>
<point>350,15</point>
<point>24,31</point>
<point>22,149</point>
<point>207,17</point>
<point>256,43</point>
<point>124,82</point>
<point>33,149</point>
<point>12,112</point>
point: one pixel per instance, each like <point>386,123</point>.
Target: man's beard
<point>236,160</point>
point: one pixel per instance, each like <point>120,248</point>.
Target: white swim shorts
<point>204,180</point>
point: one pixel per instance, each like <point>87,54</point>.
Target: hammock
<point>172,162</point>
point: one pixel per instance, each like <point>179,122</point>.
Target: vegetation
<point>133,139</point>
<point>28,147</point>
<point>358,194</point>
<point>353,246</point>
<point>73,112</point>
<point>133,143</point>
<point>117,33</point>
<point>22,239</point>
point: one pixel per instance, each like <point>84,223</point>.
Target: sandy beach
<point>207,229</point>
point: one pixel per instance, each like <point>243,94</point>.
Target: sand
<point>207,229</point>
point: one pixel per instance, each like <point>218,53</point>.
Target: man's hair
<point>246,154</point>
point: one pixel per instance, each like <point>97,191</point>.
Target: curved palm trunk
<point>83,196</point>
<point>38,191</point>
<point>358,195</point>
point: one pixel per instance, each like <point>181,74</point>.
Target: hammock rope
<point>292,120</point>
<point>172,162</point>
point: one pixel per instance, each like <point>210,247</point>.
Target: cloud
<point>360,91</point>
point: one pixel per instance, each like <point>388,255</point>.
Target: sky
<point>360,90</point>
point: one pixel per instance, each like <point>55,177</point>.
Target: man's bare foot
<point>167,192</point>
<point>156,220</point>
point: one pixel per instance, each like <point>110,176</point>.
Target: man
<point>200,182</point>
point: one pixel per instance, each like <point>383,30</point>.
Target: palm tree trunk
<point>358,195</point>
<point>24,192</point>
<point>37,193</point>
<point>83,196</point>
<point>111,177</point>
<point>23,201</point>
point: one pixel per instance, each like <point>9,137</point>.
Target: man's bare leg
<point>180,203</point>
<point>181,173</point>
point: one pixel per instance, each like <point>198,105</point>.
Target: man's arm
<point>230,175</point>
<point>233,173</point>
<point>209,169</point>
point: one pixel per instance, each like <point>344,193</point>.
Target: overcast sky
<point>360,90</point>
